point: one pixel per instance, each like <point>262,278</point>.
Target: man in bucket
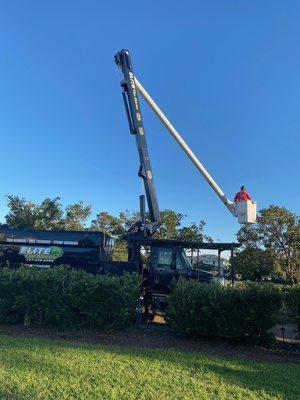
<point>243,195</point>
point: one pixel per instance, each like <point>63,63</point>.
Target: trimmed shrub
<point>67,298</point>
<point>291,303</point>
<point>245,312</point>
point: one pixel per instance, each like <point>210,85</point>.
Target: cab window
<point>182,262</point>
<point>162,256</point>
<point>180,265</point>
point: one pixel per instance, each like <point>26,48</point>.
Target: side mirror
<point>173,265</point>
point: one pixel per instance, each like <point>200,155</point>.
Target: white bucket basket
<point>246,211</point>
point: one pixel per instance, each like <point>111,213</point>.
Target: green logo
<point>37,253</point>
<point>56,252</point>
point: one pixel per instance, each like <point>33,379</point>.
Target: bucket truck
<point>168,259</point>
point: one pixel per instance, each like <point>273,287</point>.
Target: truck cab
<point>168,262</point>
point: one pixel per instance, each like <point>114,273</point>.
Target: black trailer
<point>79,249</point>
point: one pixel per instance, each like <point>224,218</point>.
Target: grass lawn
<point>32,368</point>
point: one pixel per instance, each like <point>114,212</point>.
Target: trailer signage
<point>42,241</point>
<point>37,253</point>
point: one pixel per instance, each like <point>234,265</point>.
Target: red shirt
<point>242,196</point>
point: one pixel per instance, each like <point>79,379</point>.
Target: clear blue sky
<point>227,74</point>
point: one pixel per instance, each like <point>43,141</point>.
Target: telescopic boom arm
<point>229,204</point>
<point>136,126</point>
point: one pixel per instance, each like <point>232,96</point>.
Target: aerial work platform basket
<point>246,211</point>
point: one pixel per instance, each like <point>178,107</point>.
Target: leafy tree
<point>115,226</point>
<point>112,225</point>
<point>172,225</point>
<point>22,214</point>
<point>25,214</point>
<point>254,264</point>
<point>108,224</point>
<point>193,232</point>
<point>171,222</point>
<point>278,231</point>
<point>128,218</point>
<point>49,214</point>
<point>172,228</point>
<point>76,216</point>
<point>120,250</point>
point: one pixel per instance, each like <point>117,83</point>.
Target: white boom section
<point>229,204</point>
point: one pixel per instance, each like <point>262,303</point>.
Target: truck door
<point>162,268</point>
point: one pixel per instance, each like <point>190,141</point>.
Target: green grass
<point>33,368</point>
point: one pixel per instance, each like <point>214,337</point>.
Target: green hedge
<point>245,312</point>
<point>291,303</point>
<point>67,298</point>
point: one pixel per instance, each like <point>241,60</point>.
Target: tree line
<point>51,214</point>
<point>271,246</point>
